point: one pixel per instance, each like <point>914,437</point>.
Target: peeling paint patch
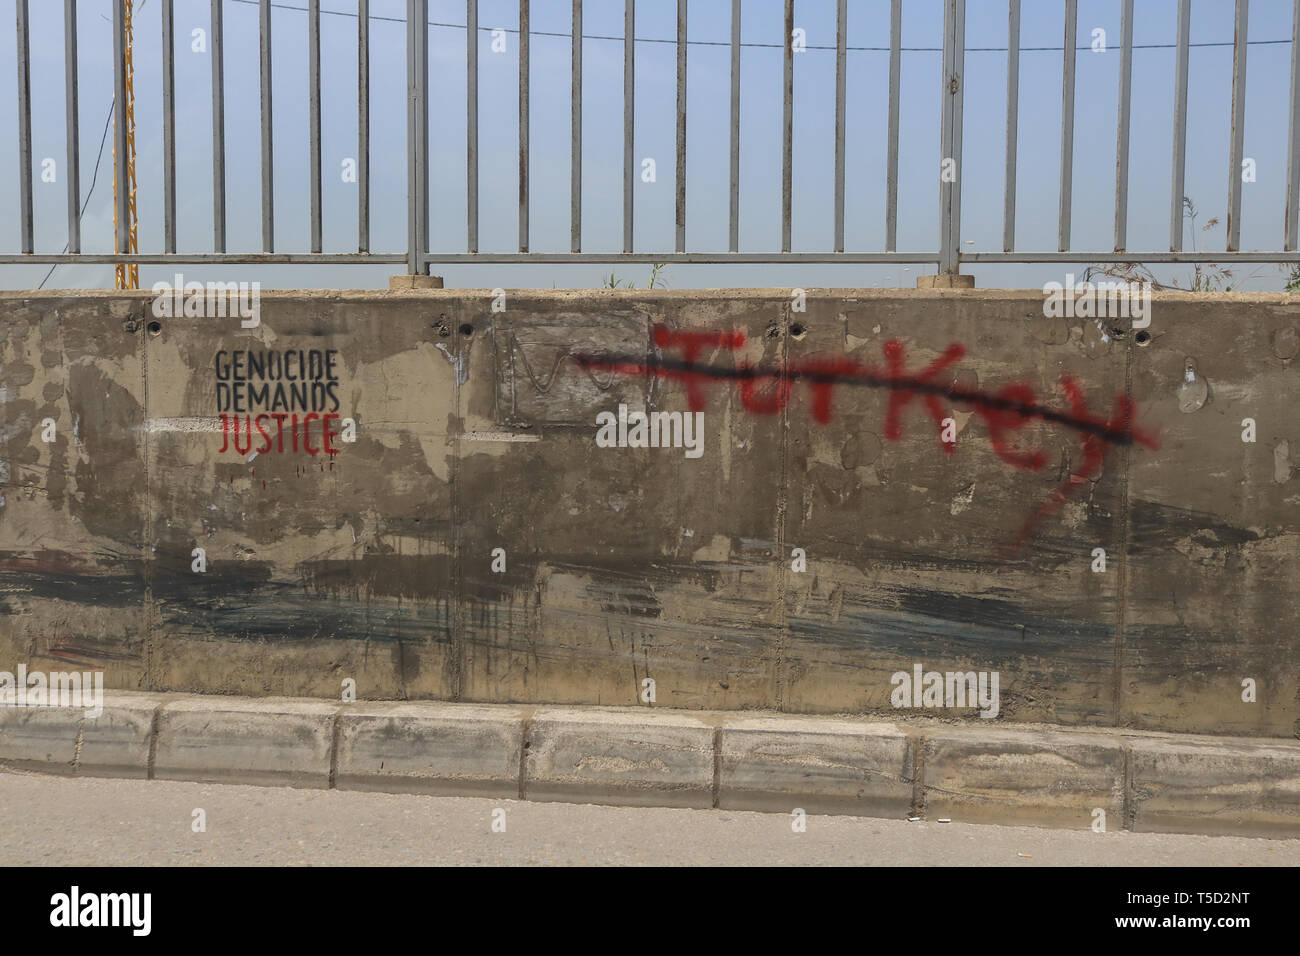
<point>718,549</point>
<point>962,501</point>
<point>457,362</point>
<point>606,764</point>
<point>1286,343</point>
<point>498,436</point>
<point>1282,462</point>
<point>1193,391</point>
<point>191,423</point>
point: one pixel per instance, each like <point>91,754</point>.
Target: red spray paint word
<point>766,391</point>
<point>271,431</point>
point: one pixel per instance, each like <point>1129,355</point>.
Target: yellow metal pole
<point>127,276</point>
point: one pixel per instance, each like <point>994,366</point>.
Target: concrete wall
<point>475,430</point>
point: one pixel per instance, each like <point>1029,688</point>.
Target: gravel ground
<point>63,821</point>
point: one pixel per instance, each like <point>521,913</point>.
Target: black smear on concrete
<point>414,576</point>
<point>110,472</point>
<point>1156,527</point>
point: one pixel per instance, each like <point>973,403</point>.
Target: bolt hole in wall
<point>467,329</point>
<point>155,328</point>
<point>798,331</point>
<point>1142,338</point>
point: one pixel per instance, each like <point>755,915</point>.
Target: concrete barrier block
<point>822,766</point>
<point>1239,788</point>
<point>116,743</point>
<point>430,748</point>
<point>266,742</point>
<point>1037,777</point>
<point>40,738</point>
<point>629,758</point>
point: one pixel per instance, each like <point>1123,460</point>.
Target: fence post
<point>25,218</point>
<point>417,135</point>
<point>1237,133</point>
<point>954,60</point>
<point>216,53</point>
<point>120,197</point>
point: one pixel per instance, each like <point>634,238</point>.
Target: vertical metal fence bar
<point>1293,131</point>
<point>575,129</point>
<point>1238,123</point>
<point>471,125</point>
<point>629,123</point>
<point>1013,126</point>
<point>958,105</point>
<point>954,62</point>
<point>218,137</point>
<point>523,125</point>
<point>680,183</point>
<point>947,255</point>
<point>417,135</point>
<point>1180,128</point>
<point>891,161</point>
<point>363,125</point>
<point>734,232</point>
<point>121,197</point>
<point>72,172</point>
<point>313,97</point>
<point>169,126</point>
<point>268,154</point>
<point>25,128</point>
<point>1067,124</point>
<point>841,32</point>
<point>787,128</point>
<point>1121,133</point>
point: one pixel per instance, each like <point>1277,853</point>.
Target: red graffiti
<point>900,397</point>
<point>767,391</point>
<point>692,343</point>
<point>232,425</point>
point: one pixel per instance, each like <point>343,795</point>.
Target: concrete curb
<point>1026,775</point>
<point>430,748</point>
<point>661,759</point>
<point>823,766</point>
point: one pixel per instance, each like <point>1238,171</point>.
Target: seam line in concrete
<point>1121,618</point>
<point>336,730</point>
<point>717,767</point>
<point>525,732</point>
<point>1130,805</point>
<point>155,728</point>
<point>782,504</point>
<point>918,742</point>
<point>456,626</point>
<point>147,532</point>
<point>81,739</point>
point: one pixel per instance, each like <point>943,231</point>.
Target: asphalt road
<point>49,820</point>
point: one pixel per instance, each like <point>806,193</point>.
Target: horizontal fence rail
<point>946,254</point>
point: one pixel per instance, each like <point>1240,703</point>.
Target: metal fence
<point>946,255</point>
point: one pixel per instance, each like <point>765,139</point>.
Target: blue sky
<point>1267,105</point>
